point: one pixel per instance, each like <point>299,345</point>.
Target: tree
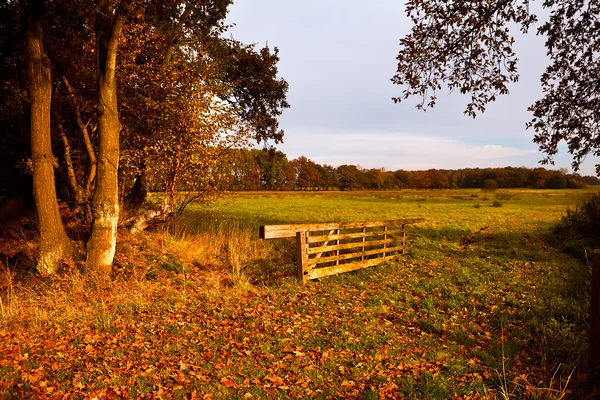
<point>404,178</point>
<point>246,171</point>
<point>275,171</point>
<point>54,245</point>
<point>430,179</point>
<point>389,181</point>
<point>308,175</point>
<point>591,180</point>
<point>468,46</point>
<point>176,131</point>
<point>192,99</point>
<point>350,177</point>
<point>576,182</point>
<point>105,201</point>
<point>539,177</point>
<point>329,176</point>
<point>557,181</point>
<point>374,178</point>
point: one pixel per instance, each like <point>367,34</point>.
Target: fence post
<point>302,256</point>
<point>594,356</point>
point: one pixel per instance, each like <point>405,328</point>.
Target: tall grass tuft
<point>227,246</point>
<point>240,249</point>
<point>9,304</point>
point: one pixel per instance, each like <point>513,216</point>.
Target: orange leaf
<point>227,382</point>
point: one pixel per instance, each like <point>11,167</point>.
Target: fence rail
<point>333,248</point>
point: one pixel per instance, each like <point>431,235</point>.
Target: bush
<point>496,203</point>
<point>579,229</point>
<point>477,205</point>
<point>585,218</point>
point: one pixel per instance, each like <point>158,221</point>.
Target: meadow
<point>483,305</point>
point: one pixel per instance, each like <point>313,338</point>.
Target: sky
<point>338,58</point>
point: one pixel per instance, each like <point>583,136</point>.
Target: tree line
<point>270,169</point>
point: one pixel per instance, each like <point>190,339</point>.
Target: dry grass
<point>213,263</point>
<point>9,305</point>
<point>228,248</point>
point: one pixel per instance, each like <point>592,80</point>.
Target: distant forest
<point>270,169</point>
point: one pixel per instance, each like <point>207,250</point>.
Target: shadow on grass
<point>533,298</point>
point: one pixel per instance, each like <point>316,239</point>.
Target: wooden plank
<point>317,249</point>
<point>282,231</point>
<point>314,261</point>
<point>353,245</point>
<point>302,257</point>
<point>325,238</point>
<point>339,269</point>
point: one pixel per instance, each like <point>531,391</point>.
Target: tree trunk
<point>54,245</point>
<point>143,221</point>
<point>105,201</point>
<point>137,195</point>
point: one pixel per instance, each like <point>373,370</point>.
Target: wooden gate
<point>333,248</point>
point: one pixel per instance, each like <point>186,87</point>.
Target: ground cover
<point>480,307</point>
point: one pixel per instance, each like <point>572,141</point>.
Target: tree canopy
<point>468,46</point>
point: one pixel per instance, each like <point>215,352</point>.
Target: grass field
<point>482,306</point>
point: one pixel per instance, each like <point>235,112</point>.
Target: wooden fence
<point>337,247</point>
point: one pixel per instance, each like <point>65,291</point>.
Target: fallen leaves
<point>229,383</point>
<point>432,323</point>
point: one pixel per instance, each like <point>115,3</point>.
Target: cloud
<point>338,60</point>
<point>401,150</point>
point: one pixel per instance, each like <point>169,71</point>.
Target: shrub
<point>496,203</point>
<point>579,229</point>
<point>585,218</point>
<point>476,205</point>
